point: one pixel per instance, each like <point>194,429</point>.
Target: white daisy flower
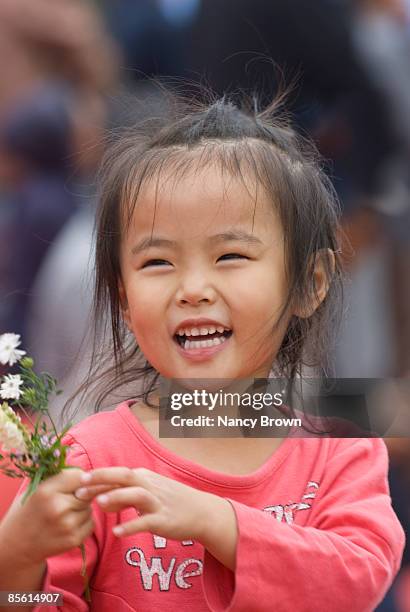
<point>9,353</point>
<point>10,388</point>
<point>11,431</point>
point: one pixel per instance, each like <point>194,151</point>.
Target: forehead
<point>199,201</point>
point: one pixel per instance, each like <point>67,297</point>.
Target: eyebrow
<point>237,235</point>
<point>150,241</point>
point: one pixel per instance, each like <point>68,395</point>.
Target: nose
<point>195,288</point>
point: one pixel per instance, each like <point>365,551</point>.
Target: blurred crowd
<point>73,68</point>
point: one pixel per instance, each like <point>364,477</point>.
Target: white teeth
<point>201,331</point>
<point>196,344</point>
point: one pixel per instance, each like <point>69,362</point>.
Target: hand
<point>51,521</point>
<point>167,507</point>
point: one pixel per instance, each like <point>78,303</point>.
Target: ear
<point>124,303</point>
<point>323,264</point>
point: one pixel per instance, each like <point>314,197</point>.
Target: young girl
<point>217,256</point>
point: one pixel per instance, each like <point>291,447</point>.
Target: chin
<point>212,385</point>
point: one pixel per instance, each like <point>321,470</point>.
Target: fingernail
<point>86,477</point>
<point>81,492</point>
<point>102,499</point>
<point>117,530</point>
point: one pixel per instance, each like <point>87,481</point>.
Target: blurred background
<point>73,68</point>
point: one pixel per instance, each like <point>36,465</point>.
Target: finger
<point>137,497</point>
<point>66,481</point>
<point>81,533</point>
<point>88,493</point>
<point>139,525</point>
<point>115,475</point>
<point>83,516</point>
<point>70,524</point>
<point>76,504</point>
<point>58,503</point>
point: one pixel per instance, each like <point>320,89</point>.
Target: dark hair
<point>244,142</point>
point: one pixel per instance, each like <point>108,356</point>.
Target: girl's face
<point>203,278</point>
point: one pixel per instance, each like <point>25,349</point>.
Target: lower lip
<point>202,354</point>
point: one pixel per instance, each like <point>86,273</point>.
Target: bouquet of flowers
<point>35,452</point>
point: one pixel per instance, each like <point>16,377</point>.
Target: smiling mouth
<point>202,341</point>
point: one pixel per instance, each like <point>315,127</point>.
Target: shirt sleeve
<point>345,559</point>
<point>63,572</point>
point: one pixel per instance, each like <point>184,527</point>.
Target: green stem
<point>84,574</point>
<point>26,413</point>
<point>52,423</point>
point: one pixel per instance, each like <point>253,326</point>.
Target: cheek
<point>145,314</point>
<point>149,342</point>
<point>259,298</point>
<point>257,306</point>
<point>146,296</point>
<point>146,321</point>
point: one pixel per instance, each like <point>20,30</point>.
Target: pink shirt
<point>316,530</point>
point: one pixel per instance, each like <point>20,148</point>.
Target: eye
<point>232,256</point>
<point>155,262</point>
